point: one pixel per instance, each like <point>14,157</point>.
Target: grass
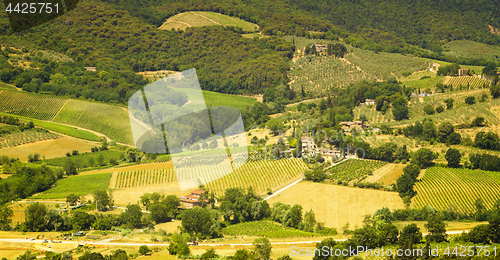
<point>79,185</point>
<point>265,229</point>
<point>59,128</point>
<point>113,121</point>
<point>218,99</point>
<point>443,188</point>
<point>30,105</point>
<point>197,19</point>
<point>337,205</point>
<point>472,50</point>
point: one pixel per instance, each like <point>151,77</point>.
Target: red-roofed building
<point>192,200</point>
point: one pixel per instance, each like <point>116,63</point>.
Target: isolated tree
<point>449,103</point>
<point>454,138</point>
<point>101,198</point>
<point>35,214</point>
<point>495,91</point>
<point>132,216</point>
<point>436,227</point>
<point>470,100</point>
<point>178,245</point>
<point>429,129</point>
<point>6,214</point>
<point>72,199</point>
<point>262,248</point>
<point>439,109</point>
<point>444,130</point>
<point>423,157</point>
<point>453,157</point>
<point>69,167</point>
<point>197,221</point>
<point>144,250</point>
<point>295,216</point>
<point>429,109</point>
<point>478,121</point>
<point>209,254</point>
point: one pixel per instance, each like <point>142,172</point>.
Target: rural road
<point>39,241</point>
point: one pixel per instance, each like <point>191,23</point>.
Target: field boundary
<point>207,18</point>
<point>59,109</point>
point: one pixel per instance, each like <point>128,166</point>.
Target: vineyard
<point>112,121</point>
<point>321,72</point>
<point>25,137</point>
<point>473,50</point>
<point>373,115</point>
<point>144,177</point>
<point>29,105</point>
<point>468,82</point>
<point>353,169</point>
<point>77,184</point>
<point>266,229</point>
<point>260,175</point>
<point>444,187</point>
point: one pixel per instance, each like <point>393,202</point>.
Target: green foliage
<point>6,215</point>
<point>85,160</point>
<point>144,250</point>
<point>317,175</point>
<point>262,248</point>
<point>265,229</point>
<point>453,157</point>
<point>436,227</point>
<point>423,157</point>
<point>354,168</point>
<point>470,100</point>
<point>79,185</point>
<point>429,109</point>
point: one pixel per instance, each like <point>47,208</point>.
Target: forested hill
<point>371,24</point>
<point>95,34</point>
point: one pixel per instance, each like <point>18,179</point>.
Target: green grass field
<point>59,128</point>
<point>472,50</point>
<point>30,105</point>
<point>265,229</point>
<point>113,121</point>
<point>197,19</point>
<point>441,187</point>
<point>79,185</point>
<point>218,99</point>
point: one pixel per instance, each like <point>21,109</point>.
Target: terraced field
<point>441,187</point>
<point>113,121</point>
<point>30,105</point>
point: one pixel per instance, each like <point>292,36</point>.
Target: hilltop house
<point>192,200</point>
<point>358,125</point>
<point>319,47</point>
<point>90,68</point>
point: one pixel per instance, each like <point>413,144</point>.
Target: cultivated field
<point>113,121</point>
<point>260,175</point>
<point>468,82</point>
<point>265,228</point>
<point>30,105</point>
<point>386,174</point>
<point>337,205</point>
<point>319,73</point>
<point>53,148</point>
<point>353,169</point>
<point>473,50</point>
<point>443,188</point>
<point>25,137</point>
<point>78,184</point>
<point>185,20</point>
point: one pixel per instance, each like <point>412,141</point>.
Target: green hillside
<point>197,19</point>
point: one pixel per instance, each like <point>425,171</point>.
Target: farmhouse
<point>463,72</point>
<point>368,102</point>
<point>319,47</point>
<point>358,125</point>
<point>192,200</point>
<point>90,68</point>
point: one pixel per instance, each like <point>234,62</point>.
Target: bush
<point>470,100</point>
<point>440,109</point>
<point>397,161</point>
<point>404,161</point>
<point>429,109</point>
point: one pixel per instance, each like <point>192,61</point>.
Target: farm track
<point>59,109</point>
